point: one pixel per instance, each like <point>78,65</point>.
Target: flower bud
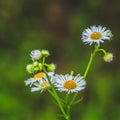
<point>51,67</point>
<point>108,57</point>
<point>36,69</point>
<point>40,66</point>
<point>35,63</point>
<point>45,53</point>
<point>30,68</point>
<point>35,55</point>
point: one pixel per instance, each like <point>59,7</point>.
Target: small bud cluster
<point>37,57</point>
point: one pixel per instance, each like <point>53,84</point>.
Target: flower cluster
<point>39,81</point>
<point>37,57</point>
<point>44,78</point>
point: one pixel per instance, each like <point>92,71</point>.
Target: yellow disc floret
<point>39,75</point>
<point>44,84</point>
<point>70,84</point>
<point>95,35</point>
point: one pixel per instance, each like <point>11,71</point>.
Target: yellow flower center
<point>44,84</point>
<point>70,84</point>
<point>95,35</point>
<point>39,75</point>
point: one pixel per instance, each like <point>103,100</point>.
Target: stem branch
<point>90,61</point>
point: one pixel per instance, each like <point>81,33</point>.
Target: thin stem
<point>67,116</point>
<point>54,94</point>
<point>68,112</point>
<point>74,97</point>
<point>67,98</point>
<point>67,106</point>
<point>90,61</point>
<point>87,70</point>
<point>102,51</point>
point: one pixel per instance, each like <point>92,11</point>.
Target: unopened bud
<point>45,53</point>
<point>36,69</point>
<point>51,67</point>
<point>40,66</point>
<point>108,57</point>
<point>35,63</point>
<point>30,68</point>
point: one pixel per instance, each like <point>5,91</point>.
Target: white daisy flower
<point>41,85</point>
<point>96,34</point>
<point>35,54</point>
<point>40,75</point>
<point>69,83</point>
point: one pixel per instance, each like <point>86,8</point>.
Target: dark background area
<point>57,25</point>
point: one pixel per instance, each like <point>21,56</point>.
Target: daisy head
<point>41,85</point>
<point>69,83</point>
<point>37,77</point>
<point>35,54</point>
<point>96,34</point>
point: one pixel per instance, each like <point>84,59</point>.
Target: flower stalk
<point>90,60</point>
<point>45,79</point>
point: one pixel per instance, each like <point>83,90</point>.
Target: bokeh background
<point>56,25</point>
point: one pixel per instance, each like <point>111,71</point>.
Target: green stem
<point>67,98</point>
<point>87,70</point>
<point>54,93</point>
<point>102,51</point>
<point>68,112</point>
<point>90,61</point>
<point>66,116</point>
<point>68,106</point>
<point>73,99</point>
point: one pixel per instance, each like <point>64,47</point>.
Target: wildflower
<point>41,85</point>
<point>108,57</point>
<point>30,81</point>
<point>96,34</point>
<point>69,83</point>
<point>36,77</point>
<point>35,55</point>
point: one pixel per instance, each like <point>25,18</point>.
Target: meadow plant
<point>44,77</point>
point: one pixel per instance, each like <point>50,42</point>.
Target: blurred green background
<point>56,25</point>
